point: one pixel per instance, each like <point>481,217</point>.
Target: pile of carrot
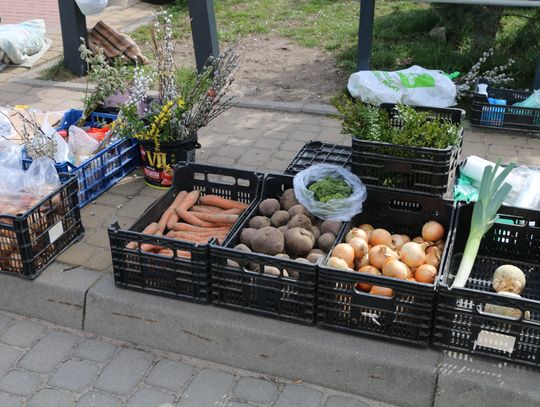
<point>193,218</point>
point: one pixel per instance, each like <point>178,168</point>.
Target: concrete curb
<point>393,373</point>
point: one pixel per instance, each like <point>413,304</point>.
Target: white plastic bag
<point>10,155</point>
<point>41,178</point>
<point>335,209</point>
<point>412,86</point>
<point>81,145</point>
<point>90,7</point>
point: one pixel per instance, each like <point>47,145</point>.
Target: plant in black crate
<point>167,126</point>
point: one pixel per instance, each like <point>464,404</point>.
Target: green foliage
<point>368,122</point>
<point>329,188</point>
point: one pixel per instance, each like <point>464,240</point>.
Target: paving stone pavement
<point>52,366</point>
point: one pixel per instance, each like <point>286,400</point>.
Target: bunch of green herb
<point>329,188</point>
<point>418,129</point>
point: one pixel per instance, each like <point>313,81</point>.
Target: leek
<point>491,195</point>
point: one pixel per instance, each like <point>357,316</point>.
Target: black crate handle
<point>367,300</point>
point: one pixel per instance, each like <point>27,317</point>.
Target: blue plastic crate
<point>103,170</point>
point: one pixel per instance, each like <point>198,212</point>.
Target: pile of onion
<point>378,252</point>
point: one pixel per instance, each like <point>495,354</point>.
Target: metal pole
<point>203,30</point>
<point>73,24</point>
<point>365,34</point>
<point>536,83</point>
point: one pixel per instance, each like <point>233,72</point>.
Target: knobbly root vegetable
<point>331,226</point>
<point>246,235</point>
<point>509,278</point>
<point>298,210</point>
<point>314,257</point>
<point>279,218</point>
<point>274,271</point>
<point>288,199</point>
<point>299,221</point>
<point>214,200</point>
<point>316,232</point>
<point>269,206</point>
<point>325,241</point>
<point>298,241</point>
<point>283,256</point>
<point>283,229</point>
<point>259,222</point>
<point>268,240</point>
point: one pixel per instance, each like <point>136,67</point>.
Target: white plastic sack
<point>412,86</point>
<point>19,41</point>
<point>90,7</point>
<point>81,145</point>
<point>335,209</point>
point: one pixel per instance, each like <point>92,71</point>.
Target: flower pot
<point>158,166</point>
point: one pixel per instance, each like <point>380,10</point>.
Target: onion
<point>382,291</point>
<point>433,256</point>
<point>378,255</point>
<point>360,247</point>
<point>398,241</point>
<point>396,269</point>
<point>364,261</point>
<point>418,239</point>
<point>356,232</point>
<point>406,238</point>
<point>368,229</point>
<point>412,254</point>
<point>440,244</point>
<point>426,273</point>
<point>346,252</point>
<point>381,236</point>
<point>337,263</point>
<point>368,270</point>
<point>432,231</point>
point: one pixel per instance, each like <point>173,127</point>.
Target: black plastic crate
<point>407,316</point>
<point>504,117</point>
<point>177,276</point>
<point>32,240</point>
<point>290,298</point>
<point>315,152</point>
<point>419,169</point>
<point>461,321</point>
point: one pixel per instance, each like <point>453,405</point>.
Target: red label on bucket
<point>157,168</point>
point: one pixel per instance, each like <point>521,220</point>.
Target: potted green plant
<point>167,126</point>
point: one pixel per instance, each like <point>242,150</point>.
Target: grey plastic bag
<point>335,209</point>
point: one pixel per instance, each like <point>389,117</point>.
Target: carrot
<point>151,229</point>
<point>173,219</point>
<point>132,245</point>
<point>217,218</point>
<point>166,252</point>
<point>233,211</point>
<point>190,200</point>
<point>190,217</point>
<point>147,247</point>
<point>186,227</point>
<point>196,238</point>
<point>165,216</point>
<point>220,202</point>
<point>206,209</point>
<point>181,253</point>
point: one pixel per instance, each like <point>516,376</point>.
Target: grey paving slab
<point>51,398</point>
<point>123,373</point>
<point>208,388</point>
<point>340,401</point>
<point>8,356</point>
<point>256,390</point>
<point>20,382</point>
<point>48,352</point>
<point>4,322</point>
<point>150,398</point>
<point>92,349</point>
<point>22,333</point>
<point>74,375</point>
<point>95,399</point>
<point>10,400</point>
<point>170,375</point>
<point>298,396</point>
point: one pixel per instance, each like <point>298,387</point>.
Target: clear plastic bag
<point>335,209</point>
<point>81,145</point>
<point>41,178</point>
<point>62,149</point>
<point>10,155</point>
<point>91,7</point>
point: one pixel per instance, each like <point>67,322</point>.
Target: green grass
<point>58,72</point>
<point>400,38</point>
